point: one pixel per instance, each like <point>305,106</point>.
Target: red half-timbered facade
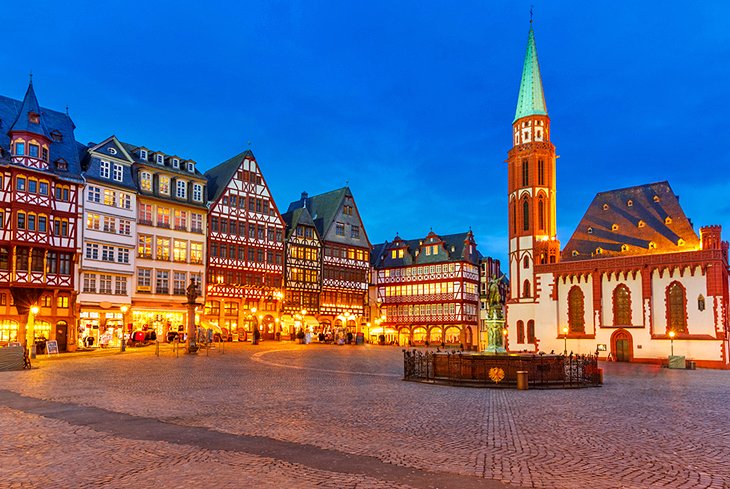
<point>428,291</point>
<point>245,250</point>
<point>40,184</point>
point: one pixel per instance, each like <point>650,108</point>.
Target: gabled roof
<point>645,219</point>
<point>219,176</point>
<point>323,207</point>
<point>296,217</point>
<point>23,121</point>
<point>454,244</point>
<point>66,149</point>
<point>531,100</point>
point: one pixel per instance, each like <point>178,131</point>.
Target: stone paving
<point>285,415</point>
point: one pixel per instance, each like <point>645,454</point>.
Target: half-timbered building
<point>245,250</point>
<point>171,227</point>
<point>302,272</point>
<point>109,240</point>
<point>635,282</point>
<point>345,259</point>
<point>40,182</point>
<point>428,290</point>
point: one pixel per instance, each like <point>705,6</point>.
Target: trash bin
<point>522,380</point>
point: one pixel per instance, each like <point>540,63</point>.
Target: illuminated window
<point>676,301</point>
<point>621,306</point>
<point>164,185</point>
<point>576,310</point>
<point>145,181</point>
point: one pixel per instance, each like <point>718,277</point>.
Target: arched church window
<point>525,215</point>
<point>520,332</point>
<point>576,310</point>
<point>540,214</point>
<point>701,302</point>
<point>676,300</point>
<point>540,170</point>
<point>526,289</point>
<point>526,262</point>
<point>525,173</point>
<point>621,306</point>
<point>530,331</point>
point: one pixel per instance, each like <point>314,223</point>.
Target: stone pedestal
<point>191,345</point>
<point>495,338</point>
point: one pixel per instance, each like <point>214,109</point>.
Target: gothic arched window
<point>525,215</point>
<point>530,331</point>
<point>621,306</point>
<point>676,308</point>
<point>520,332</point>
<point>576,310</point>
<point>540,214</point>
<point>526,292</point>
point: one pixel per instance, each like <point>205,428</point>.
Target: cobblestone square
<point>285,415</point>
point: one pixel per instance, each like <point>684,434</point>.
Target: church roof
<point>531,100</point>
<point>645,219</point>
<point>220,175</point>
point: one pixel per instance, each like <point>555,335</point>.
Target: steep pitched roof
<point>66,149</point>
<point>531,100</point>
<point>219,176</point>
<point>23,121</point>
<point>639,220</point>
<point>322,207</point>
<point>296,217</point>
<point>453,243</point>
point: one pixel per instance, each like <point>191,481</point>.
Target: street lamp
<point>124,310</point>
<point>31,329</point>
<point>671,343</point>
<point>565,338</point>
<point>504,338</point>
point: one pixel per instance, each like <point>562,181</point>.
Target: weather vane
<point>531,14</point>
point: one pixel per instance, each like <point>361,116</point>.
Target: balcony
<point>163,225</point>
<point>144,222</point>
<point>197,230</point>
<point>181,228</point>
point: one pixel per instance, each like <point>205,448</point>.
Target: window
<point>42,223</point>
<point>191,167</point>
<point>230,308</point>
<point>179,283</point>
<point>144,246</point>
<point>20,183</point>
<point>347,210</point>
<point>20,220</point>
<point>531,331</point>
<point>19,148</point>
<point>355,232</point>
<point>196,223</point>
<point>213,308</point>
<point>520,332</point>
<point>36,260</point>
<point>541,214</point>
<point>21,259</point>
<point>196,252</point>
<point>144,280</point>
<point>32,185</point>
<point>160,159</point>
<point>182,189</point>
<point>145,214</point>
<point>125,201</point>
<point>198,192</point>
<point>181,220</point>
<point>120,285</point>
<point>176,163</point>
<point>93,221</point>
<point>43,187</point>
<point>180,250</point>
<point>145,181</point>
<point>525,215</point>
<point>576,310</point>
<point>162,282</point>
<point>143,154</point>
<point>122,255</point>
<point>525,173</point>
<point>164,185</point>
<point>125,227</point>
<point>92,251</point>
<point>110,224</point>
<point>676,301</point>
<point>105,169</point>
<point>540,172</point>
<point>163,248</point>
<point>117,172</point>
<point>107,253</point>
<point>526,262</point>
<point>621,306</point>
<point>526,289</point>
<point>105,284</point>
<point>163,217</point>
<point>340,229</point>
<point>33,150</point>
<point>62,301</point>
<point>64,263</point>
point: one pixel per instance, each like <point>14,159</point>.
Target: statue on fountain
<point>495,317</point>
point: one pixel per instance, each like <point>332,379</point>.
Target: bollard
<point>522,380</point>
<point>157,347</point>
<point>600,376</point>
<point>32,351</point>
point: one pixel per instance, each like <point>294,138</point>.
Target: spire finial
<point>347,183</point>
<point>531,6</point>
<point>67,110</point>
<point>30,77</point>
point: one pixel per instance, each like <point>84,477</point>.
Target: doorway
<point>622,346</point>
<point>61,335</point>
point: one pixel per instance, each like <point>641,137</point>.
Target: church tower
<point>531,183</point>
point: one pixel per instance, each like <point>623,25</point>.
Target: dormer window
<point>111,151</point>
<point>176,163</point>
<point>605,207</point>
<point>19,148</point>
<point>191,167</point>
<point>614,227</point>
<point>599,251</point>
<point>44,154</point>
<point>34,118</point>
<point>143,154</point>
<point>680,242</point>
<point>61,164</point>
<point>56,135</point>
<point>33,150</point>
<point>575,253</point>
<point>667,220</point>
<point>624,247</point>
<point>160,159</point>
<point>590,230</point>
<point>652,245</point>
<point>630,203</point>
<point>641,224</point>
<point>656,198</point>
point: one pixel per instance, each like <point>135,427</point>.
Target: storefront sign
<point>52,347</point>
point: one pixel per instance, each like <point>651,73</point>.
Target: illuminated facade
<point>171,226</point>
<point>428,291</point>
<point>345,261</point>
<point>40,184</point>
<point>245,250</point>
<point>635,282</point>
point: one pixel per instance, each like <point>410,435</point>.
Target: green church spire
<point>532,99</point>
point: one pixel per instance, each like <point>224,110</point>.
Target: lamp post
<point>123,345</point>
<point>31,330</point>
<point>565,338</point>
<point>671,343</point>
<point>504,339</point>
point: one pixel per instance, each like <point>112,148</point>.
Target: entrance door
<point>61,335</point>
<point>622,346</point>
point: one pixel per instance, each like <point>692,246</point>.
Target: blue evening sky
<point>410,101</point>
